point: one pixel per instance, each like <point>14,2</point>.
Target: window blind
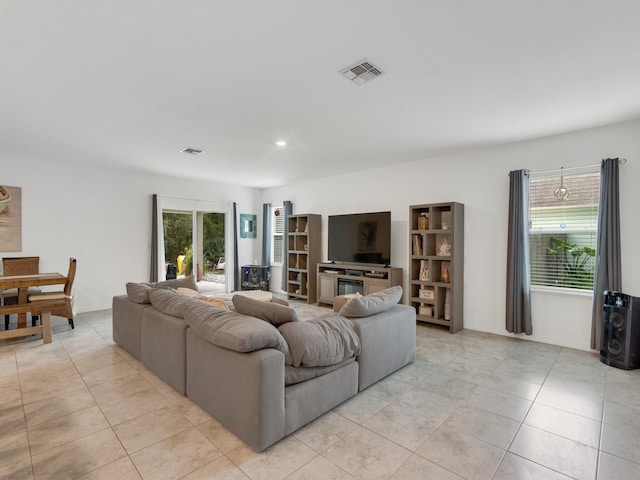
<point>278,237</point>
<point>563,232</point>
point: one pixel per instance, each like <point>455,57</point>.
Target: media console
<point>342,278</point>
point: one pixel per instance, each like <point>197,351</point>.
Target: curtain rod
<point>621,161</point>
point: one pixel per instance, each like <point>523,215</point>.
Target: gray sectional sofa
<point>256,369</point>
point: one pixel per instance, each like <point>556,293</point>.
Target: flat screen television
<point>360,238</point>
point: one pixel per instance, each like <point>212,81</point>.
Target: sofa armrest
<point>243,391</point>
<point>127,321</point>
<point>388,342</point>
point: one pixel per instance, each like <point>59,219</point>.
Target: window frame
<point>591,230</point>
<point>275,234</point>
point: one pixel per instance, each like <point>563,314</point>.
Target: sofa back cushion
<point>232,330</point>
<point>273,313</point>
<point>323,341</point>
<point>167,301</point>
<point>371,304</point>
<point>139,292</point>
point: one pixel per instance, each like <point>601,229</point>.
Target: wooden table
<point>41,307</point>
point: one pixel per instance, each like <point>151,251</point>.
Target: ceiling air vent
<point>192,151</point>
<point>361,72</point>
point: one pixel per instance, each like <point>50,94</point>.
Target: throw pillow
<point>186,282</point>
<point>187,292</point>
<point>232,330</point>
<point>340,300</point>
<point>270,312</point>
<point>138,292</point>
<point>216,302</point>
<point>280,301</point>
<point>371,304</point>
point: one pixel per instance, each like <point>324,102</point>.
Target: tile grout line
<point>525,417</point>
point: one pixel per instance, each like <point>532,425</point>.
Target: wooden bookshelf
<point>436,263</point>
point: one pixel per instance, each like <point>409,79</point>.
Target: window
<point>277,232</point>
<point>562,233</point>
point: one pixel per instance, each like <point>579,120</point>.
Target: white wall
<point>479,179</point>
<point>102,217</point>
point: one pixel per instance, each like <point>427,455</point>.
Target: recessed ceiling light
<point>192,151</point>
<point>281,143</point>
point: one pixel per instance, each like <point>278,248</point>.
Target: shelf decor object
<point>436,263</point>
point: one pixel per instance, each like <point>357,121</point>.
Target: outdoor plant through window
<point>563,233</point>
<point>577,263</point>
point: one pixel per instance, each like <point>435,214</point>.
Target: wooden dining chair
<point>18,266</point>
<point>65,310</point>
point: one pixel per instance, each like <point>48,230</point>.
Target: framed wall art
<point>248,225</point>
<point>10,219</point>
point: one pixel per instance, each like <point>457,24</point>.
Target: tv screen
<point>360,238</point>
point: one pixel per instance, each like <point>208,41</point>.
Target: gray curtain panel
<point>518,315</point>
<point>287,210</point>
<point>266,234</point>
<point>608,272</point>
<point>153,273</point>
<point>236,267</point>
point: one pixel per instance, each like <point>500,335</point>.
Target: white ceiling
<point>129,83</point>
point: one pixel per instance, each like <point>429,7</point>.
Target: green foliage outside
<point>213,248</point>
<point>576,265</point>
<point>178,234</point>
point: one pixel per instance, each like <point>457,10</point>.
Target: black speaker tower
<point>620,331</point>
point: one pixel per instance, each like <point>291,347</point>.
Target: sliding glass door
<point>211,257</point>
<point>178,243</point>
<point>193,242</point>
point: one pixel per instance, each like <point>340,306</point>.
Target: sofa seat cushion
<point>293,375</point>
<point>139,292</point>
<point>271,312</point>
<point>323,341</point>
<point>372,304</point>
<point>232,330</point>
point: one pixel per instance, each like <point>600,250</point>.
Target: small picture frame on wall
<point>248,225</point>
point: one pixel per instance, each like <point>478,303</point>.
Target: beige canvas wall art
<point>10,219</point>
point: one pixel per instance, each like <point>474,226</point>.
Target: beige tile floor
<point>472,406</point>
